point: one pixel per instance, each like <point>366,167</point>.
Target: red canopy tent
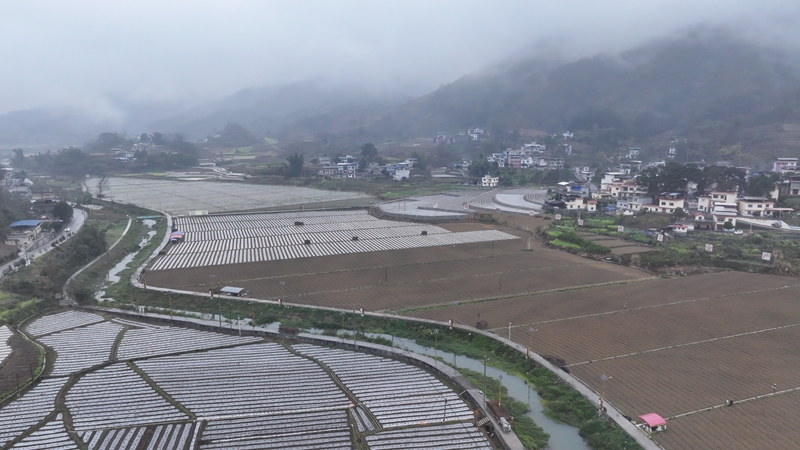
<point>654,422</point>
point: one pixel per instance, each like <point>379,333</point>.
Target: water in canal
<point>562,437</point>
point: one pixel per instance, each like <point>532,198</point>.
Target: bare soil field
<point>671,345</point>
<point>405,278</point>
<point>759,424</point>
<point>24,358</point>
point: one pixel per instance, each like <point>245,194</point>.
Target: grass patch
<point>560,243</point>
<point>113,233</point>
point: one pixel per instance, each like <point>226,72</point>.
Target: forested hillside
<point>708,86</point>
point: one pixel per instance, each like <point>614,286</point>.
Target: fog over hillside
<point>292,68</point>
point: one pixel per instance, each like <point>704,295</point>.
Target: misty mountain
<point>703,78</point>
<point>300,108</point>
<point>78,124</point>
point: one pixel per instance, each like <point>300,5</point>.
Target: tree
<point>422,161</point>
<point>481,166</point>
<point>159,139</point>
<point>761,185</point>
<point>369,151</point>
<point>19,156</point>
<point>62,211</point>
<point>670,177</point>
<point>728,225</point>
<point>295,166</point>
<point>102,185</point>
<point>679,213</point>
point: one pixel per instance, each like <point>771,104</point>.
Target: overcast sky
<point>82,53</point>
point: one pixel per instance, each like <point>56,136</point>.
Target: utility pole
<point>603,392</point>
<point>484,380</point>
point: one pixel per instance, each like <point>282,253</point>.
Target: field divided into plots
<point>182,389</point>
<point>396,279</point>
<point>671,346</point>
<point>235,239</point>
<point>180,197</point>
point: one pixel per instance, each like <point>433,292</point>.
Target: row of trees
<point>675,177</point>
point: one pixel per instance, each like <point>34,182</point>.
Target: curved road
<point>42,245</point>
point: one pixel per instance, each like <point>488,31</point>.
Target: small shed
<point>652,423</point>
<point>234,291</point>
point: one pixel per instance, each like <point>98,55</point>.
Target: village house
<point>633,152</point>
<point>783,165</point>
<point>755,206</point>
<point>668,203</point>
<point>723,212</point>
<point>329,170</point>
<point>401,174</point>
<point>533,148</point>
<point>706,202</point>
<point>489,181</point>
<point>23,231</point>
<point>634,202</point>
<point>625,188</point>
<point>546,163</point>
<point>790,187</point>
<point>474,133</point>
<point>514,158</point>
<point>573,202</point>
<point>586,173</point>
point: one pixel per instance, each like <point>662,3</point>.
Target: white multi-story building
<point>534,148</point>
<point>782,165</point>
<point>634,202</point>
<point>706,202</point>
<point>755,206</point>
<point>668,204</point>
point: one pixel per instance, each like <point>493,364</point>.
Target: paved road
<point>42,245</point>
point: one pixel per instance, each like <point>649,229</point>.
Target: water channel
<point>113,275</point>
<point>562,437</point>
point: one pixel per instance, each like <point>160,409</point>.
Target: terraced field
<point>183,389</point>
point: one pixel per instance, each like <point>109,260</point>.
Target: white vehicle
<point>738,232</point>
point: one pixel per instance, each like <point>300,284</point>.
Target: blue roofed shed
<point>21,224</point>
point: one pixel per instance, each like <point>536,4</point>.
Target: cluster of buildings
<point>711,208</point>
<point>529,156</point>
<point>348,167</point>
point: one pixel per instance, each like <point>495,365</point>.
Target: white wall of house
<point>399,174</point>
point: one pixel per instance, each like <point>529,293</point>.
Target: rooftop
<point>25,223</point>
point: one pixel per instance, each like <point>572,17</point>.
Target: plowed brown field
<point>671,346</point>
